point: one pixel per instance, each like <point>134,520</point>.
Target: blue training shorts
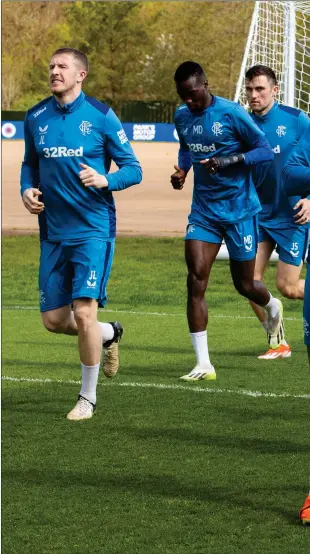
<point>290,242</point>
<point>74,270</point>
<point>240,238</point>
<point>307,308</point>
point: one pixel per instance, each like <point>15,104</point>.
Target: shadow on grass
<point>263,446</point>
<point>42,364</point>
<point>158,485</point>
<point>52,370</point>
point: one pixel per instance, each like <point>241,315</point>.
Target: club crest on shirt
<point>281,131</point>
<point>217,128</point>
<point>85,128</point>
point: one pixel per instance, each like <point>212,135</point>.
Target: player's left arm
<point>259,149</point>
<point>185,163</point>
<point>303,214</point>
<point>303,205</point>
<point>119,149</point>
<point>296,172</point>
<point>303,125</point>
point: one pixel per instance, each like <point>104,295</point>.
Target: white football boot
<point>275,328</point>
<point>200,373</point>
<point>82,410</point>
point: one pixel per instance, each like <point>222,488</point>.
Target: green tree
<point>115,36</point>
<point>133,47</point>
<point>30,33</point>
<point>211,33</point>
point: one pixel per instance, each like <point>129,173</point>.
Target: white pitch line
<point>191,388</point>
<point>161,314</point>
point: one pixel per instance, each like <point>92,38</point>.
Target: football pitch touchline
<point>162,314</point>
<point>159,386</point>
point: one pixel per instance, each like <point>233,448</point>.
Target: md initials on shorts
<point>248,242</point>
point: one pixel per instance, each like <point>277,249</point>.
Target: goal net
<point>279,37</point>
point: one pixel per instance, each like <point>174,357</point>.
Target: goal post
<point>279,37</point>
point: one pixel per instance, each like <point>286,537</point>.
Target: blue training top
<point>296,173</point>
<point>222,129</point>
<point>283,126</point>
<point>57,140</point>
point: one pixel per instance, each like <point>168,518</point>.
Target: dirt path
<point>151,208</point>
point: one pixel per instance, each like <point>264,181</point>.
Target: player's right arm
<point>296,173</point>
<point>184,161</point>
<point>29,178</point>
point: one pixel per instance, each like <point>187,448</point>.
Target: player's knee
<point>83,317</point>
<point>196,284</point>
<point>244,287</point>
<point>288,290</point>
<point>52,323</point>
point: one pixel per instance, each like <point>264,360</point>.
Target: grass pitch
<point>164,467</point>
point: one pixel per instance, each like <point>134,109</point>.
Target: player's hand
<point>31,202</point>
<point>178,178</point>
<point>303,215</point>
<point>211,164</point>
<point>91,178</point>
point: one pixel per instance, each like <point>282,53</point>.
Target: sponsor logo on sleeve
<point>35,115</point>
<point>122,136</point>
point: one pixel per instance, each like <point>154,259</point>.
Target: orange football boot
<point>304,514</point>
<point>283,351</point>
